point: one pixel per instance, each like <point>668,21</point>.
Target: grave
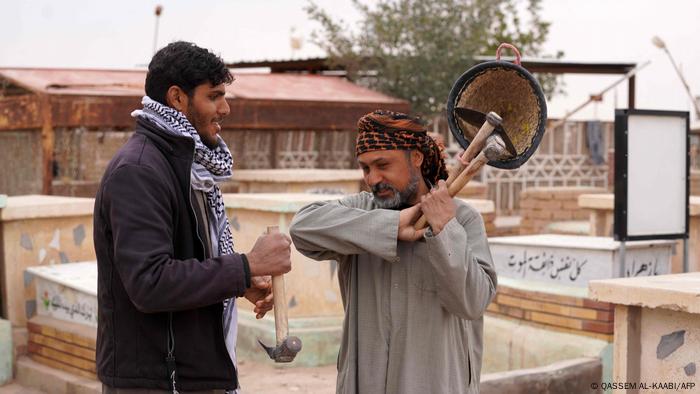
<point>67,292</point>
<point>575,260</point>
<point>542,287</point>
<point>62,334</point>
<point>657,329</point>
<point>38,230</point>
<point>317,181</point>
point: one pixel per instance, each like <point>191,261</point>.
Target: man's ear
<point>416,158</point>
<point>177,98</point>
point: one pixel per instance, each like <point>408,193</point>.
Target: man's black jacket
<point>151,261</point>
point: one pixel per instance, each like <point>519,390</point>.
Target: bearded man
<point>414,300</point>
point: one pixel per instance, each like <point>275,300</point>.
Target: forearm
<point>158,283</point>
<point>140,214</point>
<point>327,230</point>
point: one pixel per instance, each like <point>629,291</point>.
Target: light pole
<point>659,43</point>
<point>159,10</point>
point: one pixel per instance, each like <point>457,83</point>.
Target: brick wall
<point>489,224</point>
<point>542,206</point>
<point>63,345</point>
<point>576,315</point>
<point>83,155</point>
<point>20,168</point>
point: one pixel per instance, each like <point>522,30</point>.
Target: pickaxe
<point>287,347</point>
<point>490,143</point>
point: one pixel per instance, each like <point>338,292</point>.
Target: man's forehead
<point>378,155</point>
<point>209,87</point>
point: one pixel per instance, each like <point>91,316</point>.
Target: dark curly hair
<point>186,65</point>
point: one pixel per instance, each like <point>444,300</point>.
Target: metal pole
<point>685,84</point>
<point>592,97</point>
<point>159,10</point>
<point>623,274</point>
<point>659,43</point>
<point>686,267</point>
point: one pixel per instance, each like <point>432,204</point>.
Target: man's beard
<point>201,122</point>
<point>399,198</point>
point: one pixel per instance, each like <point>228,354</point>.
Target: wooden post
<point>47,143</point>
<point>628,346</point>
<point>630,92</point>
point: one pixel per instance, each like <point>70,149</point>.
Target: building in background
<point>60,127</point>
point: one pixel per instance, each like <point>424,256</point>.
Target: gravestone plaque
<point>67,291</point>
<point>575,260</point>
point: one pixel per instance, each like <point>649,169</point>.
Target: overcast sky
<point>94,34</point>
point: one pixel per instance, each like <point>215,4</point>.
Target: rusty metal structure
<point>60,127</point>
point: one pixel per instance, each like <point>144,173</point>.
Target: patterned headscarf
<point>387,130</point>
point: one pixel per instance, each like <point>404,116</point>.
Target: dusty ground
<point>14,388</point>
<point>265,378</point>
<point>257,378</point>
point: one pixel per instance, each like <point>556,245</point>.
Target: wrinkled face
<point>393,176</point>
<point>206,109</point>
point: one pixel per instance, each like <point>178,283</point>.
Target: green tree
<point>416,49</point>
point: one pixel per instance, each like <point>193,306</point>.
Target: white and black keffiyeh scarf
<point>210,167</point>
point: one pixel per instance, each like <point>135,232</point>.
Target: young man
<point>167,272</point>
<point>414,300</point>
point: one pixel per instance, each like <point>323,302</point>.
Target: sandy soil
<point>266,378</point>
<point>263,378</point>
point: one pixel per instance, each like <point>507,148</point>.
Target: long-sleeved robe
<point>413,310</point>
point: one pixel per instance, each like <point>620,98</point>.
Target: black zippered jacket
<point>151,263</point>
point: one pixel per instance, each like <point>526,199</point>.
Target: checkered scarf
<point>210,166</point>
<point>387,130</point>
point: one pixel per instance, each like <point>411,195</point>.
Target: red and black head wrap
<point>387,130</point>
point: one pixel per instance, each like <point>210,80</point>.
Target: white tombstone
<point>67,291</point>
<point>575,260</point>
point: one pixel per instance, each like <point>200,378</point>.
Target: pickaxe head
<point>496,148</point>
<point>476,119</point>
<point>285,351</point>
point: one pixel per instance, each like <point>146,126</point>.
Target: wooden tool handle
<point>466,175</point>
<point>474,149</point>
<point>421,223</point>
<point>280,301</point>
<point>457,184</point>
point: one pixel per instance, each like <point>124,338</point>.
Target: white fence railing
<point>562,159</point>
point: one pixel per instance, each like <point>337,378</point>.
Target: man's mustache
<point>379,187</point>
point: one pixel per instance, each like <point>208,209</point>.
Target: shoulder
<point>137,152</point>
<point>137,160</point>
<point>362,200</point>
<point>466,213</point>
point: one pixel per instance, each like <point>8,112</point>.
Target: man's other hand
<point>260,295</point>
<point>407,217</point>
<point>270,255</point>
<point>438,207</point>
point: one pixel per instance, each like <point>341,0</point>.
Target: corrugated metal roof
<point>303,87</point>
<point>297,87</point>
<point>556,66</point>
<point>78,81</point>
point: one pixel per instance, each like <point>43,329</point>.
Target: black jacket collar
<point>167,142</point>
